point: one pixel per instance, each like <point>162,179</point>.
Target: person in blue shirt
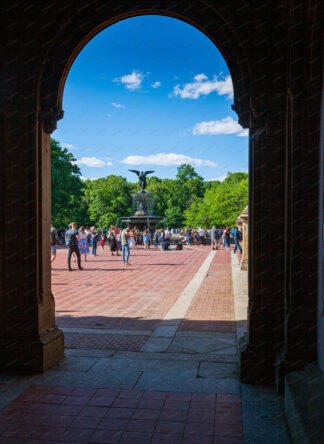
<point>94,240</point>
<point>237,239</point>
<point>156,238</point>
<point>71,240</point>
<point>147,239</point>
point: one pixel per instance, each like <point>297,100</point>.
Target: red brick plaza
<point>151,355</point>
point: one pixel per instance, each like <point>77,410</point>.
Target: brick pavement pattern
<point>105,295</point>
<point>212,307</point>
<point>97,342</point>
<point>63,414</point>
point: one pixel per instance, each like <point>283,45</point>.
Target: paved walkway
<point>151,356</point>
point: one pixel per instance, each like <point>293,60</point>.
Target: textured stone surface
<point>69,414</point>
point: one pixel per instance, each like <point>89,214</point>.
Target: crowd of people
<point>120,241</point>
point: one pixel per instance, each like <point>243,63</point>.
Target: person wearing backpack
<point>237,239</point>
<point>71,240</point>
<point>54,243</point>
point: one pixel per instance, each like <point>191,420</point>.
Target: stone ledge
<point>304,406</point>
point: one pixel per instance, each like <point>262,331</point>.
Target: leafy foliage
<point>222,203</point>
<point>185,200</point>
<point>108,198</point>
<point>67,187</point>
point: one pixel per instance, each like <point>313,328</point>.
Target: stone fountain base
<point>141,222</point>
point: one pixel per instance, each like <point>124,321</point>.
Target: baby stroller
<point>179,245</point>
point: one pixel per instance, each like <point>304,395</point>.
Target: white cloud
<point>202,87</point>
<point>69,146</point>
<point>156,84</point>
<point>108,115</point>
<point>167,159</point>
<point>118,105</point>
<point>224,126</point>
<point>90,162</point>
<point>220,178</point>
<point>200,77</point>
<point>109,163</point>
<point>131,81</point>
<point>88,178</point>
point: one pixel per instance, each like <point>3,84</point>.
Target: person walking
<point>137,238</point>
<point>156,239</point>
<point>71,240</point>
<point>201,233</point>
<point>125,246</point>
<point>162,239</point>
<point>188,234</point>
<point>83,242</point>
<point>213,238</point>
<point>54,243</point>
<point>227,237</point>
<point>118,240</point>
<point>102,240</point>
<point>168,237</point>
<point>94,240</point>
<point>147,239</point>
<point>237,239</point>
<point>112,242</point>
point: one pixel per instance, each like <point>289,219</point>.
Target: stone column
<point>244,217</point>
<point>29,339</point>
<point>265,241</point>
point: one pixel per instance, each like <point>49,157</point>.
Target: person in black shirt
<point>71,240</point>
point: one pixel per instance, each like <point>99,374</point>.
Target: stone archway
<point>41,44</point>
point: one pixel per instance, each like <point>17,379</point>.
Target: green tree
<point>108,199</point>
<point>222,202</point>
<point>66,185</point>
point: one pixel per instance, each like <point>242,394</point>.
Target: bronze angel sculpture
<point>142,177</point>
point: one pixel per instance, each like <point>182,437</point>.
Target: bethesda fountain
<point>143,206</point>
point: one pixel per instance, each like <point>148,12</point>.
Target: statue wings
<point>138,172</point>
<point>135,171</point>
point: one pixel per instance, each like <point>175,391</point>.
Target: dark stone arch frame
<point>274,47</point>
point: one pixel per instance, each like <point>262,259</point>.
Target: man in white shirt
<point>201,233</point>
<point>168,236</point>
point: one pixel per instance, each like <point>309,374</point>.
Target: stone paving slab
<point>218,370</point>
<point>156,345</point>
<point>146,365</point>
<point>103,331</point>
<point>75,364</point>
<point>193,344</point>
<point>165,331</point>
<point>100,378</point>
<point>179,356</point>
<point>154,380</point>
<point>263,416</point>
<point>154,356</point>
<point>89,353</point>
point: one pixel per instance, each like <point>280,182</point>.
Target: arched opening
<point>186,89</point>
<point>271,49</point>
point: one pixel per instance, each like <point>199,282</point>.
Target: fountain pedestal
<point>143,206</point>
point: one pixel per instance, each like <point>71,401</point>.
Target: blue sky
<point>151,92</point>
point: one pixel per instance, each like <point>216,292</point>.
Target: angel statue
<point>142,177</point>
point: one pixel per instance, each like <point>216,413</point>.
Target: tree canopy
<point>185,200</point>
<point>67,187</point>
